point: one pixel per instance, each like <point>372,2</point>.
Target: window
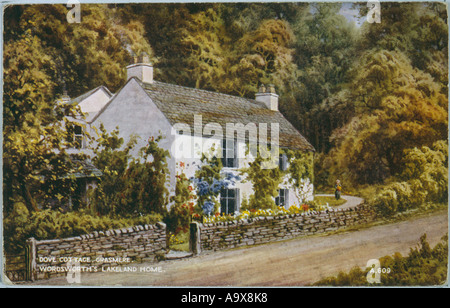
<point>229,157</point>
<point>282,199</point>
<point>78,136</point>
<point>75,135</point>
<point>229,200</point>
<point>282,163</point>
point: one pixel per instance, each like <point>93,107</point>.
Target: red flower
<point>181,164</point>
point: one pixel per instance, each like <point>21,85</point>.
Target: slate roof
<point>85,168</point>
<point>179,104</point>
<point>79,99</point>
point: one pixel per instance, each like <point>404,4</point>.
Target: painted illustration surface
<point>225,144</point>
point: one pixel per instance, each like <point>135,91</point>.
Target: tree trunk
<point>28,198</point>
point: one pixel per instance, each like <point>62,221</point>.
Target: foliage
<point>146,179</point>
<point>426,168</point>
<point>112,160</point>
<point>86,54</point>
<point>324,50</point>
<point>179,241</point>
<point>393,198</point>
<point>424,179</point>
<point>209,181</point>
<point>398,108</point>
<point>20,225</point>
<point>183,202</point>
<point>393,98</point>
<point>424,266</point>
<point>130,185</point>
<point>37,168</point>
<point>277,211</point>
<point>265,182</point>
<point>301,173</point>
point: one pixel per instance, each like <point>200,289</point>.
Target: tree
<point>112,159</point>
<point>43,55</point>
<point>324,51</point>
<point>34,136</point>
<point>99,46</point>
<point>397,108</point>
<point>130,185</point>
<point>419,30</point>
<point>146,179</point>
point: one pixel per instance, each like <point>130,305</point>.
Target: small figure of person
<point>338,188</point>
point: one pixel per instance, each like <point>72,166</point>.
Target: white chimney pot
<point>142,71</point>
<point>268,97</point>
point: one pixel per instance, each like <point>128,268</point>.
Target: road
<point>294,262</point>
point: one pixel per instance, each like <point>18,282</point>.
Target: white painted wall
<point>133,111</point>
<point>91,105</point>
<point>191,165</point>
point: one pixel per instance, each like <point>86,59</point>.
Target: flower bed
<point>294,209</point>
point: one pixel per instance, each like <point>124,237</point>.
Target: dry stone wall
<point>259,230</point>
<point>96,251</point>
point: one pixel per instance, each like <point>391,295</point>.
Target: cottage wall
<point>134,112</point>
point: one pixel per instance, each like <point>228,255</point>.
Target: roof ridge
<point>250,100</point>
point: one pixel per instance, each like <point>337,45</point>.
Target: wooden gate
<point>18,267</point>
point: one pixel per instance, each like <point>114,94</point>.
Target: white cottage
<point>191,121</point>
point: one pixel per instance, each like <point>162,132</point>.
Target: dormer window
<point>75,135</point>
<point>78,136</point>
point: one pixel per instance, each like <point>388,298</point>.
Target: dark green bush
<point>424,178</point>
<point>48,224</point>
<point>424,266</point>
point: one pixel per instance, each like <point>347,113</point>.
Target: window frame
<point>78,138</point>
<point>283,162</point>
<point>225,196</point>
<point>226,150</point>
<point>283,197</point>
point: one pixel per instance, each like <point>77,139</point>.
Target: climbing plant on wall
<point>209,180</point>
<point>265,182</point>
<point>301,172</point>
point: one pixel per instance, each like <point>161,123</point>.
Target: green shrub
<point>48,224</point>
<point>423,266</point>
<point>393,198</point>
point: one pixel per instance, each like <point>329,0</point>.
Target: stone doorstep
<point>174,255</point>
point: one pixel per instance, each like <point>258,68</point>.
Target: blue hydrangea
<point>208,207</point>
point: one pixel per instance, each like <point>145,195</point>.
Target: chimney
<point>65,98</point>
<point>141,68</point>
<point>267,96</point>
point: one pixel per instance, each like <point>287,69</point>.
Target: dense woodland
<point>372,100</point>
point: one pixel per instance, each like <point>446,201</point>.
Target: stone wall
<point>259,230</point>
<point>96,251</point>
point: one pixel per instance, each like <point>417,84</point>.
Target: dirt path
<point>295,262</point>
<point>352,201</point>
